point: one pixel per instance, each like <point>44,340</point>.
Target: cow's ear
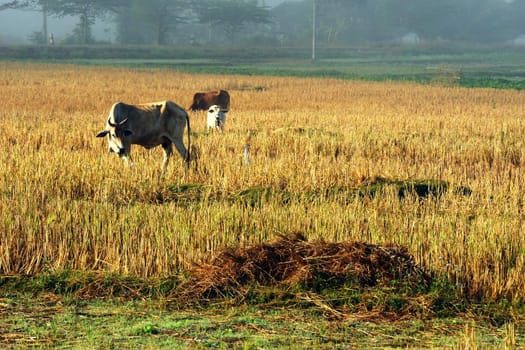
<point>128,133</point>
<point>102,133</point>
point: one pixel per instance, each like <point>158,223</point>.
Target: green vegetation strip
<point>485,67</point>
<point>60,322</point>
<point>420,188</point>
<point>94,309</point>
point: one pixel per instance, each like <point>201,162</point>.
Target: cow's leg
<point>167,154</point>
<point>179,145</point>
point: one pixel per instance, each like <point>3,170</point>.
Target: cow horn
<point>114,125</point>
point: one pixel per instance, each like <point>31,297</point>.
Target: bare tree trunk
<point>44,22</point>
<point>84,24</point>
<point>314,29</point>
<point>163,22</point>
<point>84,28</point>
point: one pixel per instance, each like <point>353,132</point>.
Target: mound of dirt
<point>295,261</point>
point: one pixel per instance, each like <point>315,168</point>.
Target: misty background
<point>261,22</point>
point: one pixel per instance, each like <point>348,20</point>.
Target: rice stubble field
<point>66,204</point>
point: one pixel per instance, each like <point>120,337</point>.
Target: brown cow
<point>204,100</point>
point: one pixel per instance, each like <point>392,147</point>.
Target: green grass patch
<point>257,196</point>
<point>451,65</point>
<point>88,285</point>
<point>37,313</point>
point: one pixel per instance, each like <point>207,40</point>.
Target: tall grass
<point>66,203</point>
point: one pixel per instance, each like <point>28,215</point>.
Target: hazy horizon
<point>340,23</point>
<point>11,31</point>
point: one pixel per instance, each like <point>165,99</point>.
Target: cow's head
<point>216,116</point>
<point>198,102</point>
<point>118,135</point>
<point>215,109</point>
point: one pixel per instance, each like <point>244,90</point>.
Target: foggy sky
<point>17,25</point>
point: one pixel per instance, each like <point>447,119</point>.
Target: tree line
<point>339,22</point>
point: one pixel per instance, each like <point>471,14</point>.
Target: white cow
<point>216,118</point>
<point>149,125</point>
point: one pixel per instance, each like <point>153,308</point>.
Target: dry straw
<point>67,204</point>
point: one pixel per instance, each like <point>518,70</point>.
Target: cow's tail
<point>188,152</point>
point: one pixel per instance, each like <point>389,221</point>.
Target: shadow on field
<point>404,188</point>
<point>256,196</point>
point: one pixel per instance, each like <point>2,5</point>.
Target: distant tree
<point>338,15</point>
<point>39,37</point>
<point>9,5</point>
<point>365,21</point>
<point>292,19</point>
<point>432,19</point>
<point>514,14</point>
<point>87,11</point>
<point>495,21</point>
<point>231,15</point>
<point>466,20</point>
<point>151,21</point>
